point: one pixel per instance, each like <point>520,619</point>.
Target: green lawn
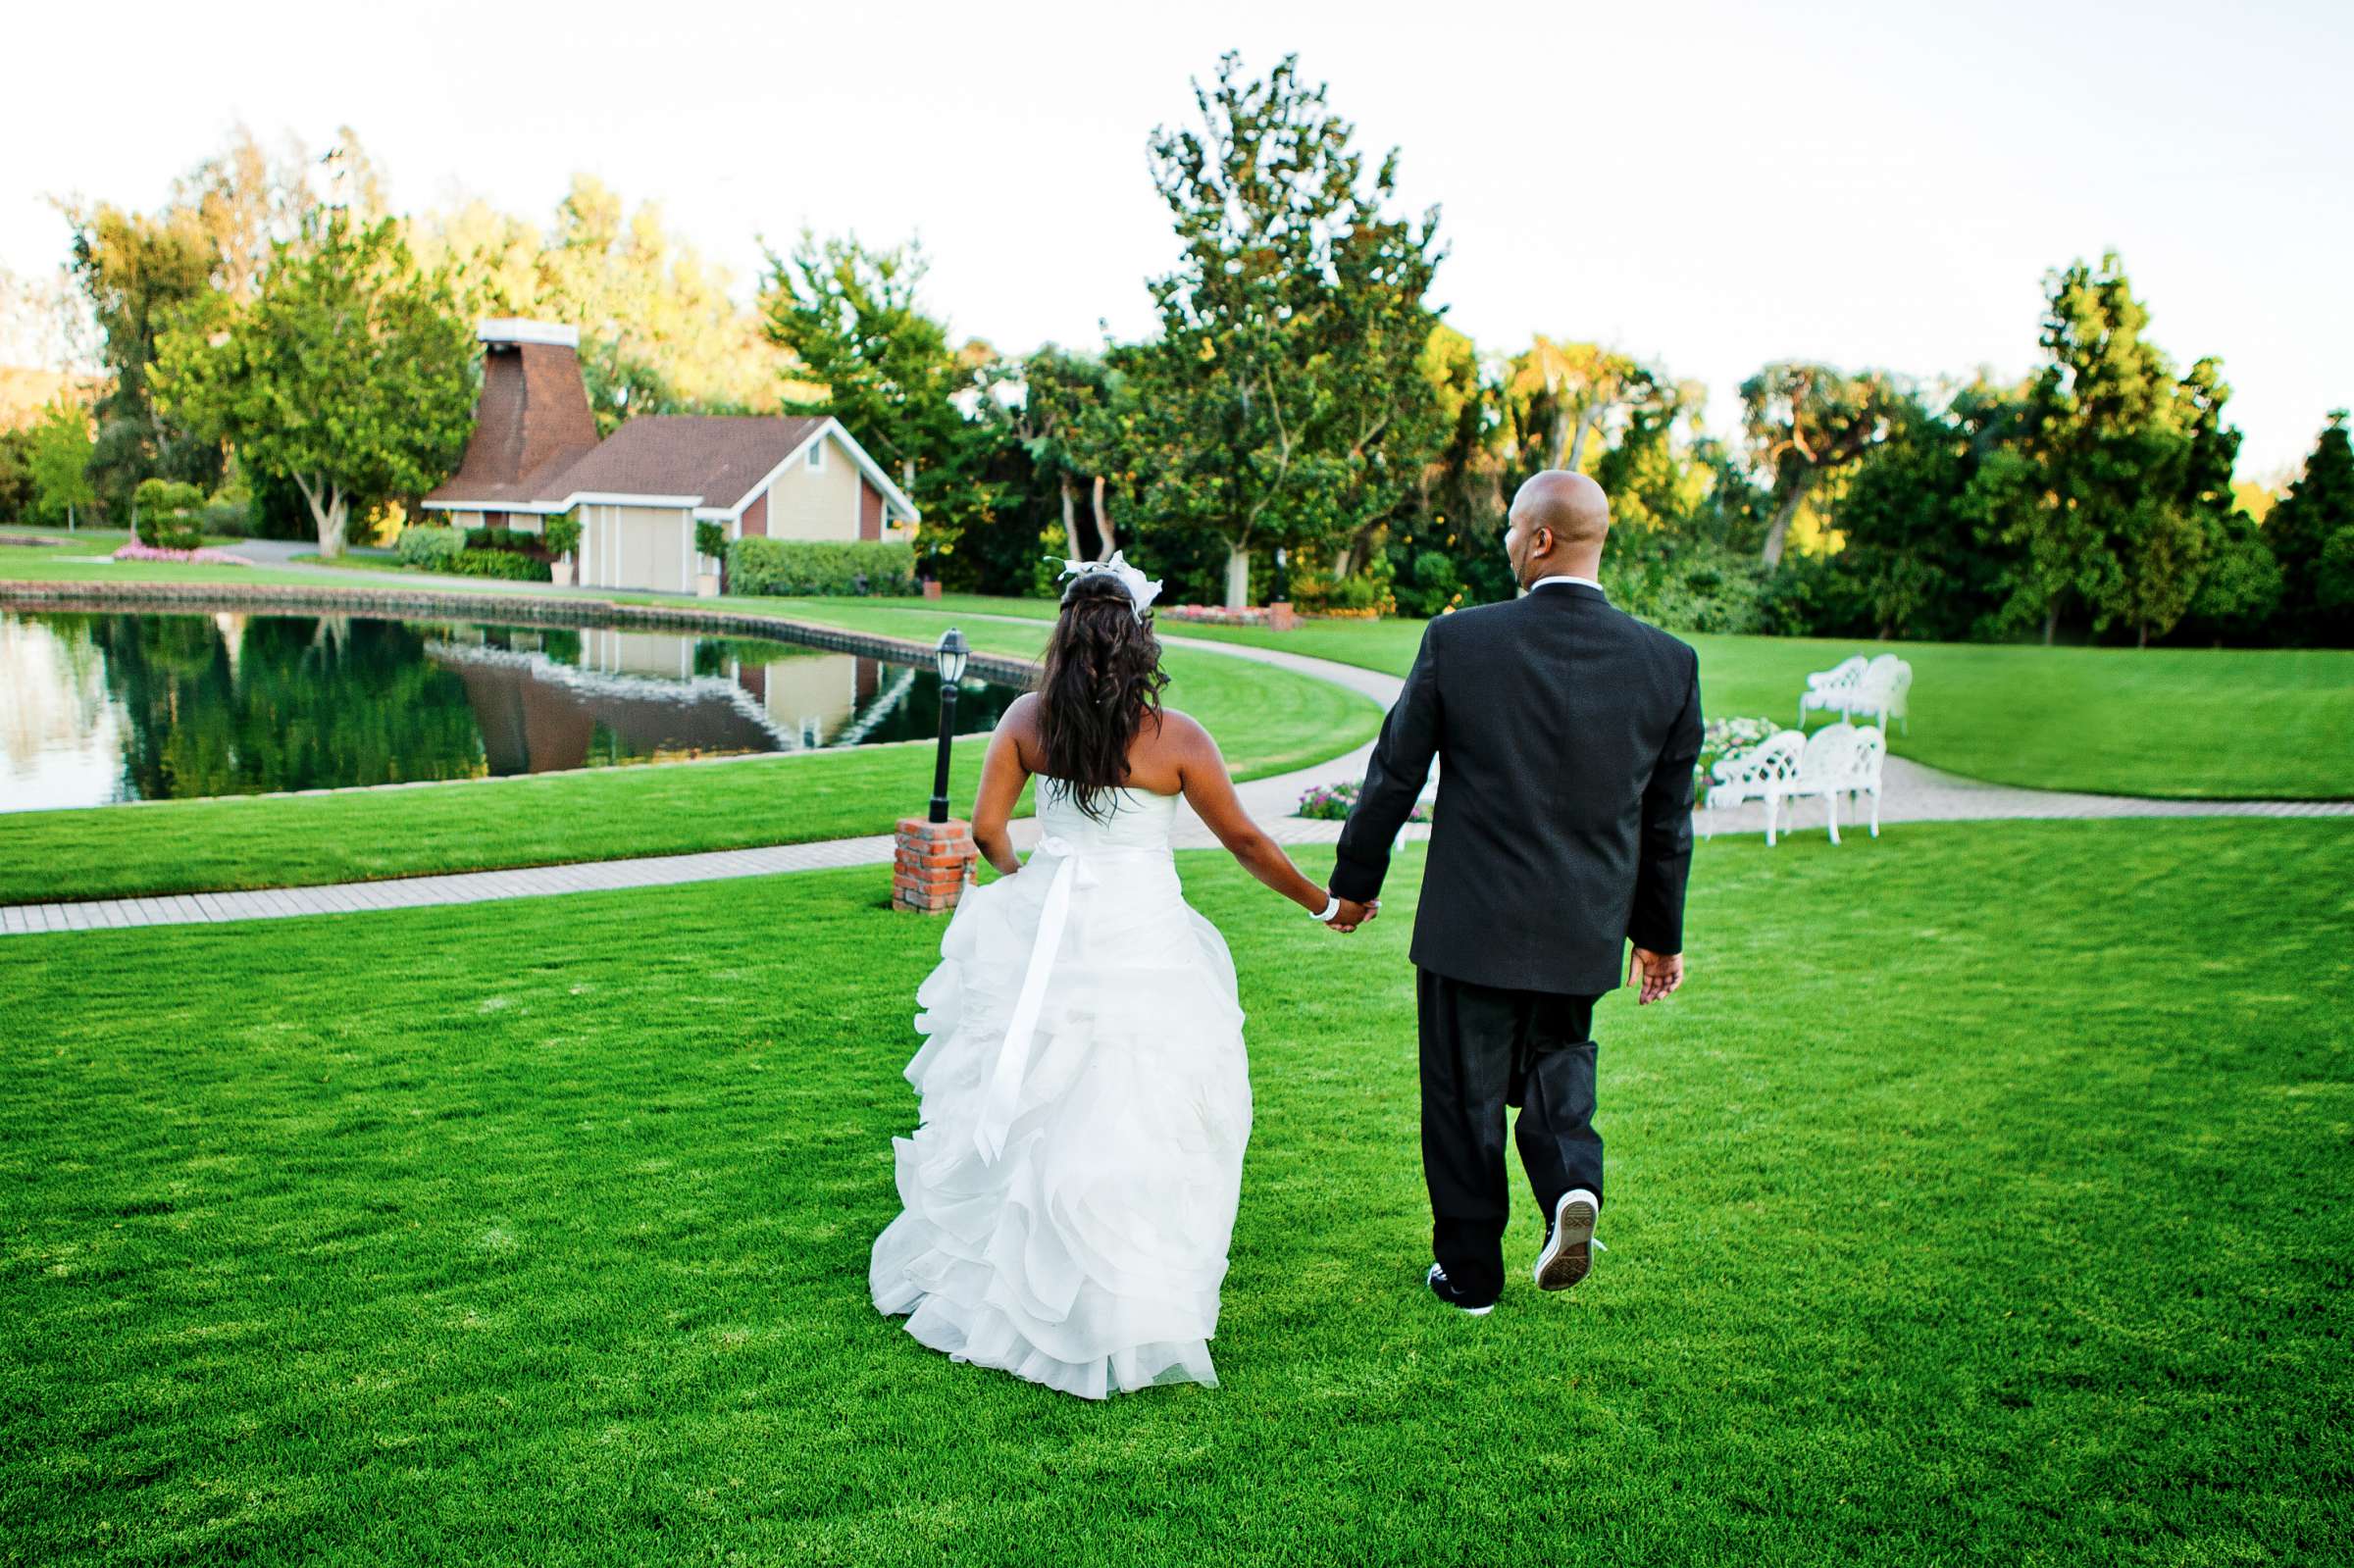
<point>1269,722</point>
<point>1946,1225</point>
<point>2190,723</point>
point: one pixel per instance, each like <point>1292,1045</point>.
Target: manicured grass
<point>1983,1197</point>
<point>2218,723</point>
<point>1269,721</point>
<point>2190,723</point>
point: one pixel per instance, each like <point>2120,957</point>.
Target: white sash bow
<point>1021,1030</point>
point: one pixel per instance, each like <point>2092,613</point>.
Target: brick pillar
<point>928,865</point>
<point>1280,617</point>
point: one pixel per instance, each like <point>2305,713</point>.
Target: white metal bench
<point>1878,687</point>
<point>1827,690</point>
<point>1840,759</point>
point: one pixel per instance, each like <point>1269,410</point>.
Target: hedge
<point>764,566</point>
<point>478,553</point>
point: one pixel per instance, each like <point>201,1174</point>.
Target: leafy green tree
<point>348,373</point>
<point>2094,429</point>
<point>852,319</point>
<point>1563,392</point>
<point>142,275</point>
<point>59,465</point>
<point>2311,534</point>
<point>1074,418</point>
<point>15,476</point>
<point>1914,512</point>
<point>1806,424</point>
<point>662,330</point>
<point>1282,401</point>
<point>2166,547</point>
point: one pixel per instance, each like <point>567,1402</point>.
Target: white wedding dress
<point>1069,1195</point>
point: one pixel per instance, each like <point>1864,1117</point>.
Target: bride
<point>1069,1195</point>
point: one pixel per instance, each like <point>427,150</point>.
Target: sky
<point>1711,185</point>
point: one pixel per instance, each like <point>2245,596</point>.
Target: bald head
<point>1557,525</point>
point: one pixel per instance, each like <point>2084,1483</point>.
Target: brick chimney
<point>532,420</point>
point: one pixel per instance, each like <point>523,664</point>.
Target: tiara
<point>1142,590</point>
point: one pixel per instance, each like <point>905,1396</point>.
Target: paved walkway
<point>1912,793</point>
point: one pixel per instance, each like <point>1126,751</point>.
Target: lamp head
<point>951,655</point>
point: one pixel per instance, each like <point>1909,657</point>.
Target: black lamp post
<point>949,656</point>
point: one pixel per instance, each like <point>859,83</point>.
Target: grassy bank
<point>1946,1225</point>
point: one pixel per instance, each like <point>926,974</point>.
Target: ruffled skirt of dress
<point>1088,1256</point>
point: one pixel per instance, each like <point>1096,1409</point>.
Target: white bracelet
<point>1331,909</point>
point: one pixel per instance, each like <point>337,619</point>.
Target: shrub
<point>711,539</point>
<point>499,553</point>
<point>1334,802</point>
<point>168,515</point>
<point>427,548</point>
<point>562,533</point>
<point>512,541</point>
<point>226,517</point>
<point>1360,594</point>
<point>509,565</point>
<point>764,566</point>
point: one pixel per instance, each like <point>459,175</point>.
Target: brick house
<point>639,492</point>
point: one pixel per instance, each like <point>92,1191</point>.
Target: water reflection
<point>103,708</point>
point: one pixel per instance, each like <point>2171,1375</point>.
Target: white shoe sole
<point>1569,1252</point>
<point>1469,1312</point>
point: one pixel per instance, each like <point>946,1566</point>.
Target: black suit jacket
<point>1569,730</point>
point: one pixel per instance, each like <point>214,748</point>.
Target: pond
<point>96,709</point>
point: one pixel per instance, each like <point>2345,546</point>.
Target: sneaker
<point>1569,1243</point>
<point>1443,1290</point>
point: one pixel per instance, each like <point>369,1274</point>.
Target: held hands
<point>1353,915</point>
<point>1659,974</point>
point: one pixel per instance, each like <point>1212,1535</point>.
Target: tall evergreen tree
<point>2311,534</point>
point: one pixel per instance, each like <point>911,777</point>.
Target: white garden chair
<point>1827,690</point>
<point>1839,759</point>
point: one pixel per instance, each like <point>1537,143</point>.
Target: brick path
<point>1912,794</point>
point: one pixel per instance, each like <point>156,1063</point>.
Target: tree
<point>852,318</point>
<point>1805,422</point>
<point>2313,529</point>
<point>1914,513</point>
<point>2093,428</point>
<point>2170,535</point>
<point>348,373</point>
<point>1073,417</point>
<point>1568,390</point>
<point>60,464</point>
<point>1282,400</point>
<point>141,274</point>
<point>662,330</point>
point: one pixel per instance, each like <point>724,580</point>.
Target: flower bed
<point>1721,738</point>
<point>136,551</point>
<point>1334,802</point>
<point>1274,617</point>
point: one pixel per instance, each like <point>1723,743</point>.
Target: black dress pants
<point>1485,1049</point>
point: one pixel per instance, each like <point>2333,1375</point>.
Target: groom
<point>1562,829</point>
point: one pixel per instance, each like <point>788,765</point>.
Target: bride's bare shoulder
<point>1181,734</point>
<point>1021,715</point>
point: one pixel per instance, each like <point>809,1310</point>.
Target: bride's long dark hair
<point>1102,679</point>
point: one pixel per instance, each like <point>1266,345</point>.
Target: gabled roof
<point>530,422</point>
<point>718,458</point>
<point>713,462</point>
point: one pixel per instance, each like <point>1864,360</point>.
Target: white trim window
<point>817,454</point>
